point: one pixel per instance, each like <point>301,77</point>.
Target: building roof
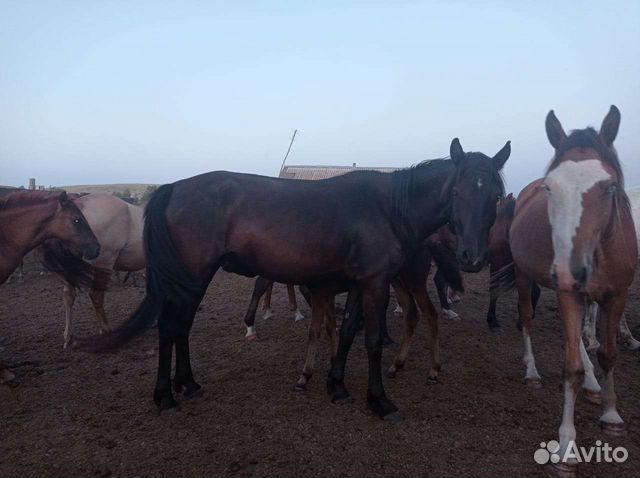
<point>324,172</point>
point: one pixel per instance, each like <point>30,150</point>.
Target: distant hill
<point>137,190</point>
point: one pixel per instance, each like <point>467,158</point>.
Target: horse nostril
<point>554,276</point>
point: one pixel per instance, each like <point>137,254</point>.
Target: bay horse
<point>118,226</point>
<point>351,231</point>
<point>573,232</point>
<point>28,218</point>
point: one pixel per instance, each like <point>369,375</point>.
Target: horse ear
<point>610,125</point>
<point>63,199</point>
<point>456,151</point>
<point>555,133</point>
<point>501,156</point>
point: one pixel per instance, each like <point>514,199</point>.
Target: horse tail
<point>503,280</point>
<point>60,260</point>
<point>168,282</point>
<point>447,264</point>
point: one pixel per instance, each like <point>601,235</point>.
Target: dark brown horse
<point>354,231</point>
<point>573,232</point>
<point>27,218</point>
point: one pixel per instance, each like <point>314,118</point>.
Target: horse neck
<point>426,209</point>
<point>23,228</point>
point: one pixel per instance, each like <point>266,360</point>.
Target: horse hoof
<point>301,385</point>
<point>632,344</point>
<point>496,329</point>
<point>394,418</point>
<point>299,316</point>
<point>192,394</point>
<point>560,470</point>
<point>433,380</point>
<point>252,338</point>
<point>613,429</point>
<point>168,412</point>
<point>391,373</point>
<point>593,397</point>
<point>348,400</point>
<point>533,383</point>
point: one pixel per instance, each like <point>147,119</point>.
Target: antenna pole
<point>288,150</point>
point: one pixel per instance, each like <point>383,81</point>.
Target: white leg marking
<point>590,381</point>
<point>626,335</point>
<point>589,327</point>
<point>251,331</point>
<point>298,316</point>
<point>528,359</point>
<point>267,314</point>
<point>567,431</point>
<point>450,314</point>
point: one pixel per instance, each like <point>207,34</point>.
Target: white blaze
<point>567,183</point>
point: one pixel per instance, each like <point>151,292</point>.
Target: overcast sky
<point>108,92</point>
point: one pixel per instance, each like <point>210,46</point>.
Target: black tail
<point>503,280</point>
<point>71,267</point>
<point>447,264</point>
<point>167,279</point>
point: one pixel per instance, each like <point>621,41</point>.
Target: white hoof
<point>298,316</point>
<point>267,314</point>
<point>251,333</point>
<point>632,344</point>
<point>450,314</point>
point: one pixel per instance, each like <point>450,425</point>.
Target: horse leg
<point>68,297</point>
<point>183,381</point>
<point>627,337</point>
<point>375,300</point>
<point>428,311</point>
<point>525,313</point>
<point>293,303</point>
<point>330,324</point>
<point>411,318</point>
<point>266,304</point>
<point>97,299</point>
<point>571,313</point>
<point>590,386</point>
<point>318,305</point>
<point>350,325</point>
<point>610,421</point>
<point>260,287</point>
<point>162,395</point>
<point>589,327</point>
<point>445,304</point>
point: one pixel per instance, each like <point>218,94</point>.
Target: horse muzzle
<point>472,262</point>
<point>91,251</point>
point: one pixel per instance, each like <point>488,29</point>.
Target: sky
<point>95,92</point>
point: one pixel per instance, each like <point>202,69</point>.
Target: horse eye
<point>545,187</point>
<point>612,189</point>
<point>76,220</point>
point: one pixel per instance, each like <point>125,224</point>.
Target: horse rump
<point>168,282</point>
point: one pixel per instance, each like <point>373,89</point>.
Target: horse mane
<point>27,198</point>
<point>403,181</point>
<point>588,138</point>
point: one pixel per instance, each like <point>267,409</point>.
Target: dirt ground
<point>77,414</point>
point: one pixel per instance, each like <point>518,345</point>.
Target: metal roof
<point>324,172</point>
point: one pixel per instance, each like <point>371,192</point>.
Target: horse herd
<point>362,233</point>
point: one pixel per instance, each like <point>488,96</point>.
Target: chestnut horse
<point>28,218</point>
<point>352,231</point>
<point>118,228</point>
<point>573,232</point>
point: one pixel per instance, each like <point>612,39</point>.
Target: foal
<point>27,218</point>
<point>573,232</point>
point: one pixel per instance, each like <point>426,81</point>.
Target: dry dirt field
<point>77,414</point>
